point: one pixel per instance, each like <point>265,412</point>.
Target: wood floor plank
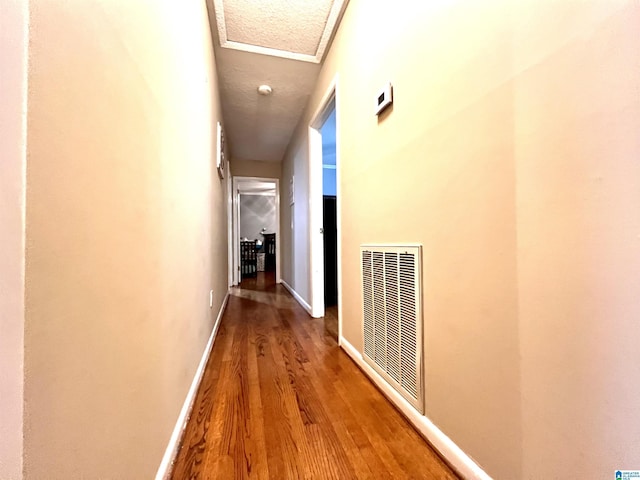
<point>280,400</point>
<point>260,462</point>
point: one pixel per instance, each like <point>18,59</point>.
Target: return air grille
<point>392,317</point>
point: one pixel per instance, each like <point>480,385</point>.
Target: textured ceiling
<point>295,29</point>
<point>276,42</point>
<point>301,24</point>
<point>259,127</point>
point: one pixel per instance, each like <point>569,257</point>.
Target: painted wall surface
<point>253,168</point>
<point>294,222</point>
<point>125,228</point>
<point>13,96</point>
<point>257,212</point>
<point>510,153</point>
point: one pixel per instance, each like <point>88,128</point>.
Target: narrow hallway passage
<point>280,400</point>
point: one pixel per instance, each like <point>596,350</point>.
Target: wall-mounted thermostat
<point>384,98</point>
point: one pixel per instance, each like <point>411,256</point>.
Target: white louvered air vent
<point>392,314</point>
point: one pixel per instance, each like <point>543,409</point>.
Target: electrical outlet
<point>210,298</point>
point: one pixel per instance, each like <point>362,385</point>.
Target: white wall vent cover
<point>392,316</point>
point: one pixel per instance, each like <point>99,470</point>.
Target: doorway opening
<point>256,231</point>
<point>324,196</point>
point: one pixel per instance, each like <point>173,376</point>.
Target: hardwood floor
<point>331,322</point>
<point>280,400</point>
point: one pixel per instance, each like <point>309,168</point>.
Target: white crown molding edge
<point>246,47</point>
<point>337,8</point>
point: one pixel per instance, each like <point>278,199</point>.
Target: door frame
<point>316,241</point>
<point>235,200</point>
<point>230,204</point>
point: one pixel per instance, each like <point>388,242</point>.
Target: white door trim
<point>236,232</point>
<point>230,254</point>
<point>316,280</point>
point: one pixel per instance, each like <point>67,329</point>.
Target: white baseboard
<point>164,471</point>
<point>297,296</point>
<point>460,461</point>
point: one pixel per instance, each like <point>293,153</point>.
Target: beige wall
<point>578,192</point>
<point>254,168</point>
<point>510,154</point>
<point>126,231</point>
<point>13,95</point>
<point>294,221</point>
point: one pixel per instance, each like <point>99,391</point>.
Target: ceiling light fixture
<point>265,90</point>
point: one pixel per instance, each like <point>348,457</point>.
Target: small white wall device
<point>384,98</point>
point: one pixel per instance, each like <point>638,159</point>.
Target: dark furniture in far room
<point>248,259</point>
<point>270,251</point>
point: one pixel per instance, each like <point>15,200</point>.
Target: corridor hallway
<point>280,400</point>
